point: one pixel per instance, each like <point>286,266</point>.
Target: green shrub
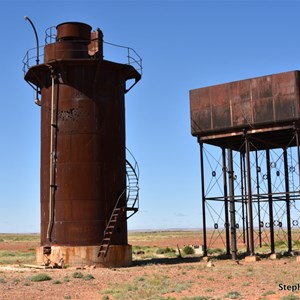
<point>290,297</point>
<point>196,298</point>
<point>188,250</point>
<point>16,280</point>
<point>233,295</point>
<point>267,293</point>
<point>40,277</point>
<point>77,275</point>
<point>165,250</point>
<point>88,277</point>
<point>215,251</point>
<point>2,280</point>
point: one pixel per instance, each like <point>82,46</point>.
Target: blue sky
<point>184,45</point>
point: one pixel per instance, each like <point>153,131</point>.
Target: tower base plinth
<point>117,256</point>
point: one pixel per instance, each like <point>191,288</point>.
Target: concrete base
<point>117,256</point>
<point>275,256</point>
<point>252,258</point>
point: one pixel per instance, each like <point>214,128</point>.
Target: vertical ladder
<point>109,230</point>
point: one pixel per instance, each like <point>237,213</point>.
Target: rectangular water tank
<point>266,101</point>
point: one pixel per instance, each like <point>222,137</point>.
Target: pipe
<point>36,39</point>
<point>37,101</point>
<point>51,187</point>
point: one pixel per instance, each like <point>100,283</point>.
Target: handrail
<point>132,174</point>
<point>50,35</point>
<point>136,166</point>
<point>133,58</point>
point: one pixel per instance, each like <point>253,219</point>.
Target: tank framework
<point>249,164</point>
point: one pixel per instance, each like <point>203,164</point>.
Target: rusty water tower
<point>88,187</point>
<point>248,132</point>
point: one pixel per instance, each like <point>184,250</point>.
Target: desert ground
<point>158,272</point>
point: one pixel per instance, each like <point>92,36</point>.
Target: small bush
<point>290,297</point>
<point>40,277</point>
<point>66,279</point>
<point>233,295</point>
<point>267,293</point>
<point>2,280</point>
<point>188,250</point>
<point>16,280</point>
<point>88,277</point>
<point>56,282</point>
<point>215,251</point>
<point>77,275</point>
<point>165,250</point>
<point>196,298</point>
<point>247,283</point>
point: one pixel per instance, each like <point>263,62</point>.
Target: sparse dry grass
<point>155,274</point>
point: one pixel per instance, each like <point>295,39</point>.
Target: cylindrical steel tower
<point>83,162</point>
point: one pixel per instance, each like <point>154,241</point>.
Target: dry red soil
<point>149,278</point>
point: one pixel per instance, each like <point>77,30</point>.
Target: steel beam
<point>225,188</point>
<point>270,200</point>
<point>258,198</point>
<point>232,206</point>
<point>250,206</point>
<point>203,199</point>
<point>287,200</point>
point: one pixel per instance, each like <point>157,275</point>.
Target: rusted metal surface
<point>74,31</point>
<point>88,138</point>
<point>247,104</point>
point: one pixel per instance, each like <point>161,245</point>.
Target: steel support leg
<point>258,198</point>
<point>243,199</point>
<point>298,149</point>
<point>203,200</point>
<point>287,199</point>
<point>250,206</point>
<point>232,206</point>
<point>246,203</point>
<point>224,169</point>
<point>270,200</point>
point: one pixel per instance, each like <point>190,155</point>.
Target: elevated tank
<point>83,172</point>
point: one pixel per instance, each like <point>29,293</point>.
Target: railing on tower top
<point>128,55</point>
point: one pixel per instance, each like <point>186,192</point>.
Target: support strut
<point>232,206</point>
<point>203,200</point>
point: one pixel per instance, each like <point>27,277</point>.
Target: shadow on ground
<point>166,261</point>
